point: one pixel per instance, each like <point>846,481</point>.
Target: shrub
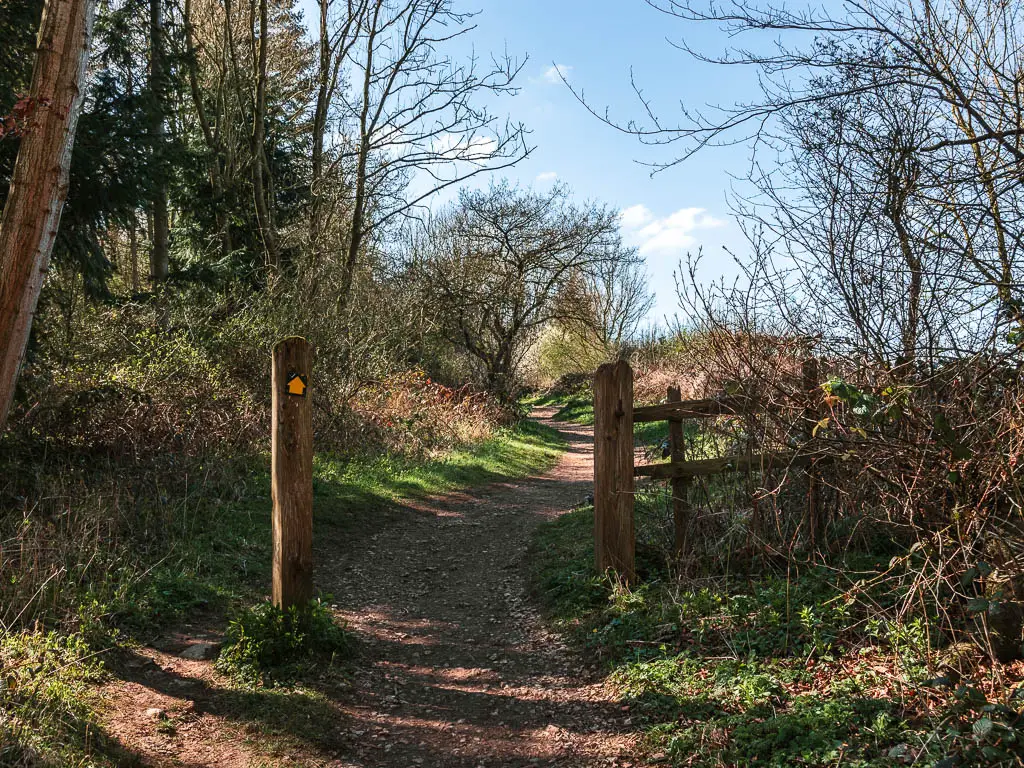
<point>266,644</point>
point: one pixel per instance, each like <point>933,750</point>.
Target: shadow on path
<point>462,672</point>
<point>456,669</point>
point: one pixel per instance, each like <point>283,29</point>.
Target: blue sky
<point>596,43</point>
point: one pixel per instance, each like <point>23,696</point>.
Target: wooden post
<point>291,484</point>
<point>680,486</point>
<point>810,385</point>
<point>614,545</point>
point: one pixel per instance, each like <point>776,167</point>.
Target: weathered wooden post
<point>680,486</point>
<point>291,483</point>
<point>811,416</point>
<point>614,546</point>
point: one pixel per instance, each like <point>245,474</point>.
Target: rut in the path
<point>462,673</point>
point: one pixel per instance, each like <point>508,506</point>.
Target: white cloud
<point>669,235</point>
<point>557,73</point>
<point>546,177</point>
<point>636,216</point>
<point>453,146</point>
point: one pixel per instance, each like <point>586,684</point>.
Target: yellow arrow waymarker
<point>296,385</point>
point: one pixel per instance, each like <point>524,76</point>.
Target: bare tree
<point>262,182</point>
<point>212,122</point>
<point>251,93</point>
<point>948,75</point>
<point>415,116</point>
<point>852,206</point>
<point>339,27</point>
<point>496,263</point>
<point>38,188</point>
<point>608,301</point>
<point>964,54</point>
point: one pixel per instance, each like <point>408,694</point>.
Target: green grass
<point>45,703</point>
<point>525,450</point>
<point>265,644</point>
<point>224,558</point>
<point>773,669</point>
<point>576,410</point>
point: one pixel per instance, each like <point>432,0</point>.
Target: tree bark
<point>260,167</point>
<point>39,184</point>
<point>160,254</point>
<point>210,136</point>
<point>133,248</point>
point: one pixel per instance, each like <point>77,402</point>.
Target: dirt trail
<point>456,669</point>
<point>464,675</point>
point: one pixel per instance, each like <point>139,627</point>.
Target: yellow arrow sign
<point>296,385</point>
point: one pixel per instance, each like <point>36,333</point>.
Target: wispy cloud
<point>668,235</point>
<point>546,177</point>
<point>557,72</point>
<point>451,146</point>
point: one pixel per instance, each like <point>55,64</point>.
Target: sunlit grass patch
<point>526,449</point>
<point>265,644</point>
<point>46,694</point>
<point>576,410</point>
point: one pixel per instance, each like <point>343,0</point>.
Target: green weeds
<point>109,557</point>
<point>265,644</point>
<point>576,410</point>
<point>778,669</point>
<point>45,693</point>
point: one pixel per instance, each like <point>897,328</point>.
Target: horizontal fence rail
<point>717,466</point>
<point>696,409</point>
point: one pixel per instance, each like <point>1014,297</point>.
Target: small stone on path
<point>200,651</point>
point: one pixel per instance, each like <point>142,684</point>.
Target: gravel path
<point>463,673</point>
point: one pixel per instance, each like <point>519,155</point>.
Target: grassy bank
<point>199,555</point>
<point>579,409</point>
<point>775,668</point>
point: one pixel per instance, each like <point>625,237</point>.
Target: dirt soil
<point>456,668</point>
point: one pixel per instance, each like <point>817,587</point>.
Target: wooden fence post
<point>291,483</point>
<point>811,416</point>
<point>614,544</point>
<point>680,486</point>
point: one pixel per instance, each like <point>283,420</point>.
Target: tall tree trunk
<point>211,136</point>
<point>39,183</point>
<point>333,51</point>
<point>357,231</point>
<point>323,95</point>
<point>260,166</point>
<point>898,193</point>
<point>159,256</point>
<point>133,249</point>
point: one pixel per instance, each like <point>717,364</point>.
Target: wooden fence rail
<point>615,471</point>
<point>693,409</point>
